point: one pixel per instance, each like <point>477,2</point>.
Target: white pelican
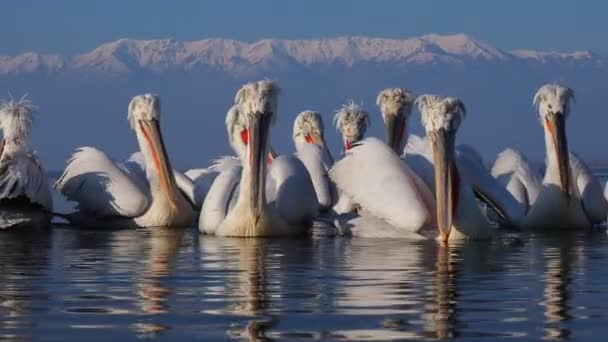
<point>352,123</point>
<point>113,195</point>
<point>396,107</point>
<point>458,214</point>
<point>390,199</point>
<point>569,195</point>
<point>310,146</point>
<point>25,198</point>
<point>246,201</point>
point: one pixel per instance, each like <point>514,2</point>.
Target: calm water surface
<point>175,284</point>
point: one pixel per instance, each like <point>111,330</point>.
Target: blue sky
<point>74,26</point>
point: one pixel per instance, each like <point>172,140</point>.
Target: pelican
<point>569,196</point>
<point>121,196</point>
<point>396,107</point>
<point>392,202</point>
<point>458,214</point>
<point>245,200</point>
<point>352,123</point>
<point>311,149</point>
<point>25,198</point>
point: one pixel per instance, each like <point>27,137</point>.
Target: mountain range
<point>127,56</point>
<point>82,99</point>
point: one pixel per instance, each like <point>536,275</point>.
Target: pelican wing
<point>589,189</point>
<point>135,167</point>
<point>489,189</point>
<point>22,176</point>
<point>515,173</point>
<point>312,156</point>
<point>375,178</point>
<point>202,179</point>
<point>222,194</point>
<point>100,186</point>
<point>294,192</point>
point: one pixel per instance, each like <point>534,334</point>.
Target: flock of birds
<point>406,186</point>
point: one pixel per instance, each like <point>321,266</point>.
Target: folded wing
<point>100,186</point>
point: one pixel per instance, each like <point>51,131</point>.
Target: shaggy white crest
<point>144,107</point>
<point>553,98</point>
<point>16,118</point>
<point>440,112</point>
<point>352,121</point>
<point>307,122</point>
<point>395,102</point>
<point>261,96</point>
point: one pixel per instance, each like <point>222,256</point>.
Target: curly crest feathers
<point>261,96</point>
<point>16,118</point>
<point>439,112</point>
<point>395,101</point>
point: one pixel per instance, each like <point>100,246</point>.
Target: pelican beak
<point>395,129</point>
<point>446,186</point>
<point>259,127</point>
<point>557,128</point>
<point>153,136</point>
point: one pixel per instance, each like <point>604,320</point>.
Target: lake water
<point>175,284</point>
<point>178,285</point>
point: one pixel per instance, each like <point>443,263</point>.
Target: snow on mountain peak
<point>129,55</point>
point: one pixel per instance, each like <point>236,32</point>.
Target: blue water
<point>175,284</point>
<point>169,284</point>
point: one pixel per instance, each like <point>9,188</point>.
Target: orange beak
<point>152,134</point>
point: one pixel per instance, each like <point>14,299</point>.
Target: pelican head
<point>352,121</point>
<point>308,128</point>
<point>144,116</point>
<point>553,103</point>
<point>257,103</point>
<point>396,107</point>
<point>441,117</point>
<point>16,122</point>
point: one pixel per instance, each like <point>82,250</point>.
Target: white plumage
<point>569,196</point>
<point>141,192</point>
<point>24,190</point>
<point>248,197</point>
<point>376,179</point>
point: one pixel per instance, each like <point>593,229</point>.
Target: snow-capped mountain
<point>127,56</point>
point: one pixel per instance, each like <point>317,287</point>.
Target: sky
<point>76,26</point>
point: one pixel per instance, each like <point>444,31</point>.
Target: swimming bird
<point>458,214</point>
<point>390,200</point>
<point>396,108</point>
<point>311,149</point>
<point>116,195</point>
<point>249,198</point>
<point>25,199</point>
<point>569,196</point>
<point>352,121</point>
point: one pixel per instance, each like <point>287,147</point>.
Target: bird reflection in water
<point>443,315</point>
<point>24,257</point>
<point>164,245</point>
<point>559,254</point>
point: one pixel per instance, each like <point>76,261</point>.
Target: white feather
<point>100,186</point>
<point>22,175</point>
<point>374,177</point>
